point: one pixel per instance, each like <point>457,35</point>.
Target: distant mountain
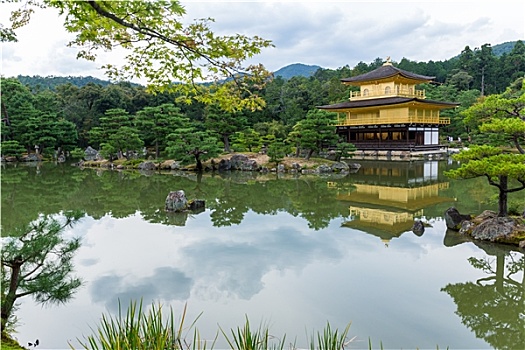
<point>51,82</point>
<point>500,49</point>
<point>287,72</point>
<point>296,69</point>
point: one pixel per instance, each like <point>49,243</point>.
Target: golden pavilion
<point>388,113</point>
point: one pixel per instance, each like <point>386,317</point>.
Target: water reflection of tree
<point>494,307</point>
<point>32,189</point>
<point>98,192</point>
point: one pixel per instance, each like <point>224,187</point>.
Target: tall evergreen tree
<point>315,132</point>
<point>224,124</point>
<point>155,123</point>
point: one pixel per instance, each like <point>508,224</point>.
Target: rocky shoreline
<point>236,162</point>
<point>487,226</point>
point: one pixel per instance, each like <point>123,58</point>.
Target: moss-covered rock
<point>489,227</point>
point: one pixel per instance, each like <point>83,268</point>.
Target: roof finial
<point>388,62</point>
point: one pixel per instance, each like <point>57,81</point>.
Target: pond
<point>292,253</point>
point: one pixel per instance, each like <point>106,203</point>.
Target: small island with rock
<point>488,226</point>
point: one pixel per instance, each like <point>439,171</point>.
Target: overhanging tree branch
<point>184,45</point>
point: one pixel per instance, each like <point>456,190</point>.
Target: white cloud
<point>329,34</point>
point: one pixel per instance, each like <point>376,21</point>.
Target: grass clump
<point>140,330</point>
<point>246,338</point>
<point>330,339</point>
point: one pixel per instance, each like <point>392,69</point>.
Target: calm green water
<point>290,252</point>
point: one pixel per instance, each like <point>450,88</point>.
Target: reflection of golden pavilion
<point>383,217</point>
<point>385,200</point>
<point>408,198</point>
<point>381,223</point>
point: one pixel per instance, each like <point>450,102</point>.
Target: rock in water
<point>453,218</point>
<point>196,205</point>
<point>418,228</point>
<point>176,201</point>
<point>494,229</point>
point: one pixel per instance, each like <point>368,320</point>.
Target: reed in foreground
<point>138,329</point>
<point>246,338</point>
<point>330,339</point>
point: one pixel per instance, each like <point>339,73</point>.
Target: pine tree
<point>37,260</point>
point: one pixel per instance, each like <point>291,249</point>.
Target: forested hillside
<point>504,48</point>
<point>287,72</point>
<point>117,118</point>
<point>51,82</point>
<point>296,69</point>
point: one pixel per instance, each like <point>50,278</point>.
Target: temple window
<point>388,90</point>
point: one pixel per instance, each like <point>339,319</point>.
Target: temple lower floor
<point>381,137</point>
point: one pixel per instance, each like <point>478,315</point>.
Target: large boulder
<point>90,153</point>
<point>494,229</point>
<point>453,218</point>
<point>324,169</point>
<point>224,165</point>
<point>176,201</point>
<point>168,165</point>
<point>242,162</point>
<point>147,165</point>
<point>340,167</point>
<point>490,228</point>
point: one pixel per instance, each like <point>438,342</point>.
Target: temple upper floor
<point>387,89</point>
<point>387,81</point>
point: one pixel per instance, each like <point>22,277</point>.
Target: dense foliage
<point>160,47</point>
<point>71,116</point>
<point>501,116</point>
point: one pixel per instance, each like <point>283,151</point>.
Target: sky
<point>330,34</point>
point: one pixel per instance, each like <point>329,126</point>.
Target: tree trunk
<point>483,81</point>
<point>500,270</point>
<point>226,141</point>
<point>518,146</point>
<point>198,161</point>
<point>309,154</point>
<point>156,149</point>
<point>6,135</point>
<point>502,202</point>
<point>9,301</point>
